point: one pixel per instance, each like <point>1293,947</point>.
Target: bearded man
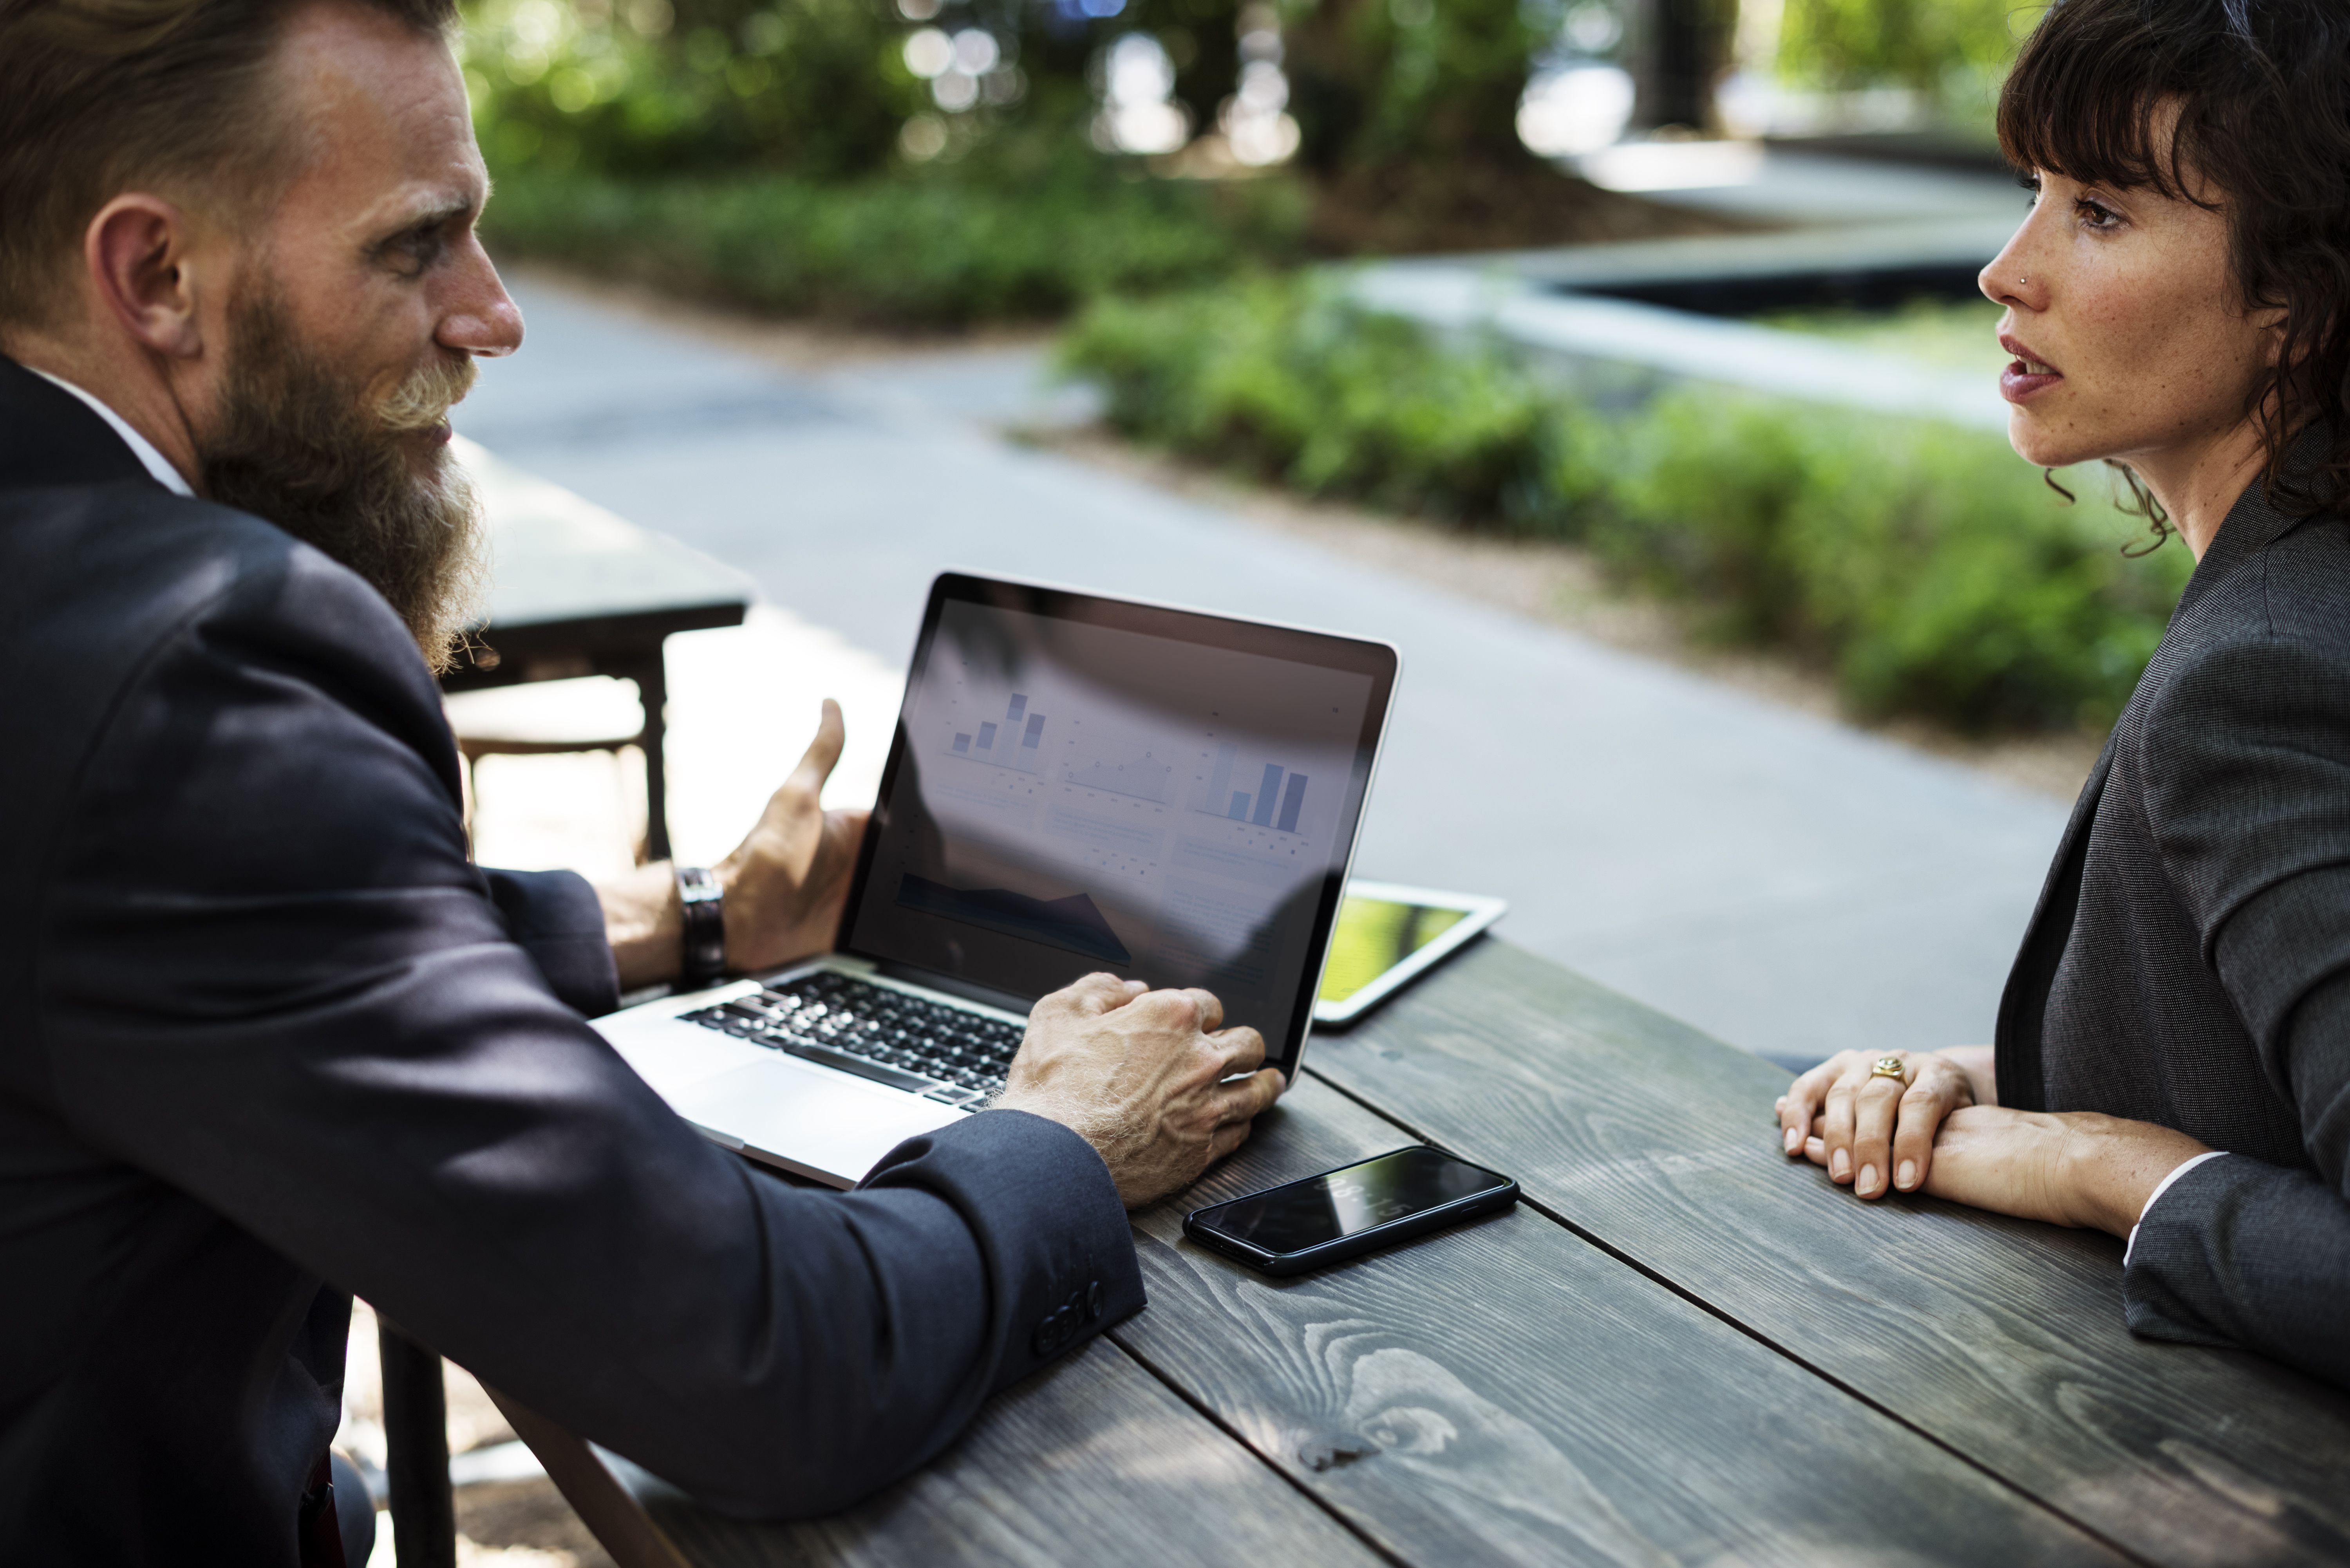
<point>266,1038</point>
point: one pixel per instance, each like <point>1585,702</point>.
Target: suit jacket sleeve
<point>267,975</point>
<point>556,918</point>
<point>2252,816</point>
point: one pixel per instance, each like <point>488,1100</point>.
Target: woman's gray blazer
<point>2189,960</point>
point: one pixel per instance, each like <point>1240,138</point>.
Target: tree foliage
<point>822,88</point>
<point>1380,83</point>
<point>645,86</point>
<point>1921,43</point>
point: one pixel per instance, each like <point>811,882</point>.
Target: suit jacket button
<point>1093,1300</point>
<point>1054,1333</point>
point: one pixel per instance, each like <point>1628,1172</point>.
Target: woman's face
<point>2128,337</point>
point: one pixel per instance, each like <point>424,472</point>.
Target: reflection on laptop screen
<point>1068,796</point>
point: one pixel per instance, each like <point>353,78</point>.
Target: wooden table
<point>1682,1348</point>
<point>574,590</point>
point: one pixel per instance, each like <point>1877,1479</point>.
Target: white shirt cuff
<point>2181,1168</point>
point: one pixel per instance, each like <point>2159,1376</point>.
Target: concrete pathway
<point>1844,218</point>
<point>1790,885</point>
<point>1781,184</point>
<point>1593,336</point>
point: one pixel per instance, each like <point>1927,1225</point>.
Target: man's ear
<point>137,252</point>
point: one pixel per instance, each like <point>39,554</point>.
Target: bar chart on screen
<point>1124,762</point>
<point>1268,795</point>
<point>1016,741</point>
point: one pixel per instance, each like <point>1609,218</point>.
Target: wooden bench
<point>577,591</point>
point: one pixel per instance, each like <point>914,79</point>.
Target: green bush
<point>929,248</point>
<point>1931,567</point>
<point>1294,385</point>
<point>1923,564</point>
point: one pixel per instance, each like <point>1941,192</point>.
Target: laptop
<point>1078,783</point>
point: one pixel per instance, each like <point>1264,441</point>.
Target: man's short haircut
<point>2262,90</point>
<point>100,97</point>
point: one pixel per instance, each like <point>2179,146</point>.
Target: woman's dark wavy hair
<point>2264,93</point>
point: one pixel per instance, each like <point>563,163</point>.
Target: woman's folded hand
<point>1874,1129</point>
<point>1934,1128</point>
<point>2064,1168</point>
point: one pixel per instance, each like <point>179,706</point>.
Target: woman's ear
<point>2271,328</point>
<point>137,254</point>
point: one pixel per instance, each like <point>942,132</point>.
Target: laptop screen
<point>1082,783</point>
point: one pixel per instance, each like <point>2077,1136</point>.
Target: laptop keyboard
<point>926,1047</point>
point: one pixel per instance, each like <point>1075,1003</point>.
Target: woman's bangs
<point>2084,104</point>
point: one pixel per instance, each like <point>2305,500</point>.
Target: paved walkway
<point>1781,184</point>
<point>1790,885</point>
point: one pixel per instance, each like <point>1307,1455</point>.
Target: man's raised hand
<point>786,882</point>
<point>1139,1075</point>
<point>785,885</point>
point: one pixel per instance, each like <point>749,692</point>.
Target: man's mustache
<point>425,398</point>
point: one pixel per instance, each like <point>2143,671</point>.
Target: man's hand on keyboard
<point>1140,1075</point>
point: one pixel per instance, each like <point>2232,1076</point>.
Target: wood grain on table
<point>1505,1392</point>
<point>1090,1462</point>
<point>2002,1339</point>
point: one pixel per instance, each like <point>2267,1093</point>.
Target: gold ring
<point>1889,1067</point>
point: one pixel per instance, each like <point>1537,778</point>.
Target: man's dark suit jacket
<point>2189,960</point>
<point>267,1040</point>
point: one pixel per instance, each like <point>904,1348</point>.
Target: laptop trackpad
<point>809,1120</point>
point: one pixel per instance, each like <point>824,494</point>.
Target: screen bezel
<point>1199,1225</point>
<point>1380,661</point>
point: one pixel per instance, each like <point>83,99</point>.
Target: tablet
<point>1388,936</point>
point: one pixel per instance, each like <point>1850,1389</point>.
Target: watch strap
<point>703,905</point>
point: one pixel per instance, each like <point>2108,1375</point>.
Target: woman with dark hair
<point>2172,1061</point>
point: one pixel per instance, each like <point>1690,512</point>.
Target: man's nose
<point>483,320</point>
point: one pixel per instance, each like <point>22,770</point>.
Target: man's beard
<point>303,447</point>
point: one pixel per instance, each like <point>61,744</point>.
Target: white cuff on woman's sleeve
<point>2181,1168</point>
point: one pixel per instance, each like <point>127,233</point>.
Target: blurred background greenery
<point>1953,50</point>
<point>1158,172</point>
<point>927,162</point>
<point>1923,565</point>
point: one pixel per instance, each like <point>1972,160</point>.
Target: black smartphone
<point>1351,1210</point>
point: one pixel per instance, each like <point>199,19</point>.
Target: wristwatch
<point>703,903</point>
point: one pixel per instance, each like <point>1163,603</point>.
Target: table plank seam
<point>1335,1514</point>
<point>1628,1261</point>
